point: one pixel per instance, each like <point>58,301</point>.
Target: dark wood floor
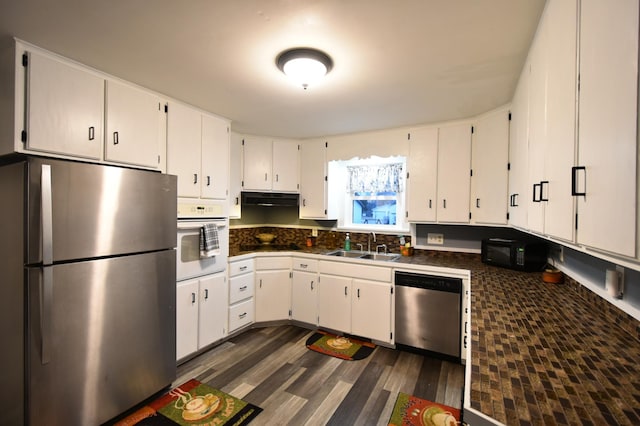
<point>272,368</point>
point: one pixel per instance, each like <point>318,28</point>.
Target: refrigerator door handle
<point>46,300</point>
<point>47,215</point>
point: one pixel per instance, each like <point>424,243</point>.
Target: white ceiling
<point>396,62</point>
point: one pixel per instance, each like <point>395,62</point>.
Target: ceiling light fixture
<point>304,66</point>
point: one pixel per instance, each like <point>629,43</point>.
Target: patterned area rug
<point>194,403</point>
<point>410,411</point>
<point>339,347</point>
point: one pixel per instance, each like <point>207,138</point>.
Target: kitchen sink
<point>380,256</point>
<point>345,253</point>
<point>364,255</point>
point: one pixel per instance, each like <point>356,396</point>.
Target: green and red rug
<point>410,410</point>
<point>339,347</point>
<point>194,403</point>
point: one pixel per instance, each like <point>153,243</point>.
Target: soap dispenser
<point>347,243</point>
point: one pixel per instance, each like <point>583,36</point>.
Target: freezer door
<point>101,337</point>
<point>91,210</point>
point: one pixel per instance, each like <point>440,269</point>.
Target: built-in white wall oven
<point>192,216</point>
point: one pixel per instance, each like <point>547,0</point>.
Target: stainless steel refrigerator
<point>87,290</point>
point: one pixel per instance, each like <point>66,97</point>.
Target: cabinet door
<point>313,180</point>
<point>285,166</point>
<point>186,318</point>
<point>334,303</point>
<point>422,166</point>
<point>215,158</point>
<point>235,176</point>
<point>489,158</point>
<point>212,317</point>
<point>133,125</point>
<point>371,310</point>
<point>273,295</point>
<point>304,297</point>
<point>256,153</point>
<point>608,125</point>
<point>184,135</point>
<point>518,152</point>
<point>65,108</point>
<point>454,167</point>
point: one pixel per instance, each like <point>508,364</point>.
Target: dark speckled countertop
<point>543,354</point>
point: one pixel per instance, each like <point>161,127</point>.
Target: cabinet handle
<point>311,285</point>
<point>465,342</point>
<point>513,202</point>
<point>477,203</point>
<point>237,201</point>
<point>116,138</point>
<point>243,268</point>
<point>444,204</point>
<point>277,177</point>
<point>193,298</point>
<point>304,265</point>
<point>92,133</point>
<point>574,181</point>
<point>208,180</point>
<point>358,293</point>
<point>243,288</point>
<point>465,327</point>
<point>195,178</point>
<point>542,184</point>
<point>345,290</point>
<point>261,283</point>
<point>537,199</point>
<point>244,314</point>
<point>265,177</point>
<point>430,203</point>
<point>304,202</point>
<point>206,293</point>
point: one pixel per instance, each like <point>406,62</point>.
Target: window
<point>374,196</point>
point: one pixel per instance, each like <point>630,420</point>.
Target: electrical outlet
<point>314,232</point>
<point>435,238</point>
<point>620,271</point>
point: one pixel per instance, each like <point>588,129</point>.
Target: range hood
<point>270,199</point>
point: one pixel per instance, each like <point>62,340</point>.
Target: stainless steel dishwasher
<point>428,311</point>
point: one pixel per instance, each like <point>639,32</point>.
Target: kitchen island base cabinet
<point>201,313</point>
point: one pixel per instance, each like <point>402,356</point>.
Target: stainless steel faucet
<point>381,245</point>
<point>369,241</point>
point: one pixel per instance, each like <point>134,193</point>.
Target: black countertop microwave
<point>514,254</point>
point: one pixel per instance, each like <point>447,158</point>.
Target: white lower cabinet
<point>304,291</point>
<point>356,299</point>
<point>201,313</point>
<point>273,288</point>
<point>241,291</point>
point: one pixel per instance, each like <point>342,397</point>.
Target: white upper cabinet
<point>552,121</point>
<point>64,108</point>
<point>454,169</point>
<point>489,162</point>
<point>235,176</point>
<point>422,182</point>
<point>270,164</point>
<point>608,126</point>
<point>197,152</point>
<point>215,158</point>
<point>313,179</point>
<point>518,152</point>
<point>133,122</point>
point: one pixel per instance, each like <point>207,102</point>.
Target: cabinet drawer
<point>365,272</point>
<point>240,314</point>
<point>264,263</point>
<point>241,287</point>
<point>240,267</point>
<point>303,264</point>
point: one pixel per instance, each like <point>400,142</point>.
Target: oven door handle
<point>194,225</point>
